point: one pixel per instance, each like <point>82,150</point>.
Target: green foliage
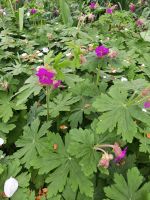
<point>7,106</point>
<point>130,189</point>
<point>60,103</point>
<point>82,146</point>
<point>118,111</point>
<point>61,142</point>
<point>65,13</point>
<point>61,164</point>
<point>32,143</point>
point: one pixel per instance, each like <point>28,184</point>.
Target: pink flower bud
<point>139,22</point>
<point>132,7</point>
<point>113,54</point>
<point>105,160</point>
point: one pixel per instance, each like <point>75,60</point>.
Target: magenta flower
<point>92,5</point>
<point>132,7</point>
<point>33,11</point>
<point>109,11</point>
<point>147,104</point>
<point>101,51</point>
<point>139,22</point>
<point>121,155</point>
<point>45,76</point>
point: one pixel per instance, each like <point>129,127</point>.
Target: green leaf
<point>7,106</point>
<point>32,143</point>
<point>118,113</point>
<point>48,58</point>
<point>31,87</point>
<point>65,13</point>
<point>130,189</point>
<point>6,128</point>
<point>145,35</point>
<point>61,103</point>
<point>81,146</point>
<point>62,168</point>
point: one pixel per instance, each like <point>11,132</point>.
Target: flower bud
<point>139,22</point>
<point>145,92</point>
<point>113,54</point>
<point>82,59</point>
<point>91,17</point>
<point>132,7</point>
<point>104,161</point>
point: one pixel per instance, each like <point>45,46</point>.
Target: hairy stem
<point>47,101</point>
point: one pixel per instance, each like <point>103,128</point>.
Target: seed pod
<point>55,146</point>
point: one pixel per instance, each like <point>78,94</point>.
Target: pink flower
<point>56,83</point>
<point>93,5</point>
<point>113,54</point>
<point>147,104</point>
<point>139,22</point>
<point>120,154</point>
<point>109,10</point>
<point>91,17</point>
<point>45,76</point>
<point>132,7</point>
<point>101,51</point>
<point>33,11</point>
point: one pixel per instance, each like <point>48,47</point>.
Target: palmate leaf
<point>7,106</point>
<point>130,189</point>
<point>118,112</point>
<point>81,146</point>
<point>62,168</point>
<point>5,128</point>
<point>32,142</point>
<point>31,87</point>
<point>59,104</point>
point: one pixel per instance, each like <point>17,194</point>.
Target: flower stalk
<point>48,91</point>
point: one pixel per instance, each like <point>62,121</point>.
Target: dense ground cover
<point>74,100</point>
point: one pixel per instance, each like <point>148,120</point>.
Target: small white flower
<point>10,187</point>
<point>97,36</point>
<point>144,110</point>
<point>40,61</point>
<point>104,77</point>
<point>126,29</point>
<point>1,141</point>
<point>40,54</point>
<point>143,65</point>
<point>45,50</point>
<point>28,14</point>
<point>114,71</point>
<point>68,54</point>
<point>108,38</point>
<point>24,55</point>
<point>2,156</point>
<point>124,79</point>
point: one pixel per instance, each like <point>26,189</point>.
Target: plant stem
<point>98,75</point>
<point>47,101</point>
<point>12,7</point>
